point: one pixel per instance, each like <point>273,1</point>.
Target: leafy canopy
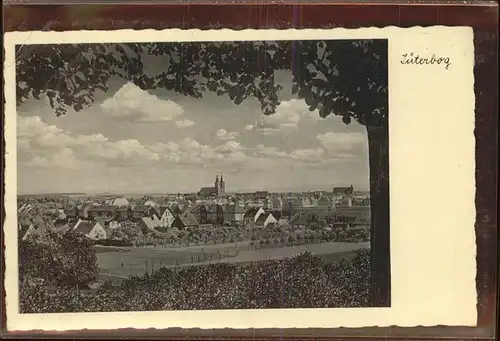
<point>341,77</point>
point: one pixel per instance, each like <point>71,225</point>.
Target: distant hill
<point>41,195</point>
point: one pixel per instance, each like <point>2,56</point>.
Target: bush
<point>112,242</point>
<point>304,281</point>
<point>58,260</point>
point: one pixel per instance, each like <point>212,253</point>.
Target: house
<point>215,214</point>
<point>265,220</point>
<point>234,213</point>
<point>109,223</point>
<point>276,214</point>
<point>141,211</point>
<point>105,211</point>
<point>61,226</point>
<point>149,223</point>
<point>299,221</point>
<point>174,207</point>
<point>74,222</point>
<point>26,230</point>
<point>252,214</point>
<point>83,210</point>
<point>123,212</point>
<point>183,204</point>
<point>166,216</point>
<point>185,221</point>
<point>91,229</point>
<point>201,213</point>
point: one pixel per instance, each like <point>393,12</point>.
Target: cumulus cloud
<point>288,116</point>
<point>223,134</point>
<point>262,150</point>
<point>51,145</point>
<point>341,141</point>
<point>191,152</point>
<point>61,149</point>
<point>62,159</point>
<point>134,104</point>
<point>230,147</point>
<point>184,123</point>
<point>309,155</point>
<point>304,155</point>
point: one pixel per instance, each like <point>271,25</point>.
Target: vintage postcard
<point>240,179</point>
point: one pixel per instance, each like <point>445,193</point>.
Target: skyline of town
<point>238,191</point>
<point>219,190</point>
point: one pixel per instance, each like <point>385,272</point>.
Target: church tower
<point>222,185</point>
<point>216,185</point>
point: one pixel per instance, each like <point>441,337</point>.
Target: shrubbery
<point>63,261</point>
<point>303,281</point>
<point>113,242</point>
<point>52,268</point>
<point>283,235</point>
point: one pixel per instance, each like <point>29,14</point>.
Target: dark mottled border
<point>484,20</point>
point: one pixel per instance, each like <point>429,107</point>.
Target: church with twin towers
<point>219,188</point>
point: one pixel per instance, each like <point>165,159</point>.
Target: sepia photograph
<point>224,179</point>
<point>202,175</point>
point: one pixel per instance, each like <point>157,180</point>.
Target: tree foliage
<point>342,77</point>
<point>303,281</point>
<point>57,260</point>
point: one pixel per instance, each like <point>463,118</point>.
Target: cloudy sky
<point>132,141</point>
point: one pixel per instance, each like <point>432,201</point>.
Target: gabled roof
<point>188,219</point>
<point>251,212</point>
<point>208,191</point>
<point>262,218</point>
<point>85,227</point>
<point>24,228</point>
<point>150,223</point>
<point>276,214</point>
<point>161,209</point>
<point>196,208</point>
<point>299,219</point>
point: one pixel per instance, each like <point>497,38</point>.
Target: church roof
<point>206,191</point>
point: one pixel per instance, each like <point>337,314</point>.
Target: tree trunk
<point>378,144</point>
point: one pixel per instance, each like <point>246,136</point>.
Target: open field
<point>138,261</point>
